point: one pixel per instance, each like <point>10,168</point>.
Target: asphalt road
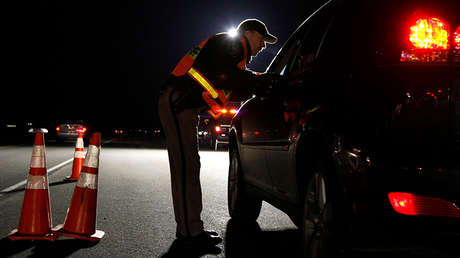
<point>135,208</point>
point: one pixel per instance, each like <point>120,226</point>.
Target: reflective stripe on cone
<point>78,159</point>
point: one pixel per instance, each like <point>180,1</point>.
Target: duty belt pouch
<point>178,101</point>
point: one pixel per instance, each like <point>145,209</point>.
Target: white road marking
<point>58,166</point>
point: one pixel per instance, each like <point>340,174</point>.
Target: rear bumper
<point>68,135</point>
<point>372,210</point>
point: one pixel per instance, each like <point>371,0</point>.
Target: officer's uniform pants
<point>180,129</point>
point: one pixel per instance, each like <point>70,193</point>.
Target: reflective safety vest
<point>216,99</point>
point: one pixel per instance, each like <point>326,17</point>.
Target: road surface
<point>134,205</point>
<point>135,208</point>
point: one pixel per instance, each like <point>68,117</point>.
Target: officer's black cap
<point>256,25</point>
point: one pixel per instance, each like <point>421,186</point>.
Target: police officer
<point>218,62</point>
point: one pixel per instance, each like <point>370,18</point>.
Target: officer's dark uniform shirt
<point>218,62</point>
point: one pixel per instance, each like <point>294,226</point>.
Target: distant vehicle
<point>222,129</point>
<point>68,131</point>
<point>212,132</point>
<point>358,138</point>
<point>206,136</point>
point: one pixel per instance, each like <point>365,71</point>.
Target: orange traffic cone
<point>35,222</point>
<point>80,221</point>
<point>78,159</point>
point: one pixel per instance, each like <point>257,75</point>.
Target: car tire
<point>320,223</point>
<point>241,206</point>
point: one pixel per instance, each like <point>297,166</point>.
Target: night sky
<point>104,60</point>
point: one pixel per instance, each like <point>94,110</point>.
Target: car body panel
<point>386,126</point>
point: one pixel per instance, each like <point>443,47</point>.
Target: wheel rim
<point>233,181</point>
<point>317,218</point>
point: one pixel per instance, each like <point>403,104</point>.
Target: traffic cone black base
<point>14,235</point>
<point>96,237</point>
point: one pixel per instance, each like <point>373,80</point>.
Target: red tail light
<point>430,34</point>
<point>411,204</point>
<point>81,130</point>
<point>233,111</point>
<point>223,111</point>
<point>217,129</point>
<point>58,129</point>
<point>402,203</point>
<point>457,38</point>
<point>429,41</point>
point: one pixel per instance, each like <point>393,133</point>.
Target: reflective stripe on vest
<point>185,66</point>
<point>198,77</point>
<point>187,61</point>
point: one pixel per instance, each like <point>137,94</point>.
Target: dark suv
<point>360,133</point>
<point>213,132</point>
<point>222,128</point>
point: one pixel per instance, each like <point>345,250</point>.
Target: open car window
<point>309,50</point>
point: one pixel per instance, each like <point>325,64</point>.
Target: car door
<point>291,101</point>
<point>254,121</point>
<point>259,124</point>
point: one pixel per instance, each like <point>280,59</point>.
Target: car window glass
<point>311,45</point>
<point>285,56</point>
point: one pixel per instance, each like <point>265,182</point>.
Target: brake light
<point>411,204</point>
<point>58,129</point>
<point>81,130</point>
<point>457,38</point>
<point>217,129</point>
<point>402,203</point>
<point>233,111</point>
<point>429,41</point>
<point>223,111</point>
<point>430,34</point>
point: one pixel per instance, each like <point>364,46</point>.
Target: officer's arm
<point>236,77</point>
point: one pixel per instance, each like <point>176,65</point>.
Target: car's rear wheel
<point>319,223</point>
<point>241,205</point>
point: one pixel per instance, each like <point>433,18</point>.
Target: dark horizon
<point>104,62</point>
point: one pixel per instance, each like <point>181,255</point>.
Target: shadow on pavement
<point>10,247</point>
<point>177,251</point>
<point>58,248</point>
<point>22,189</point>
<point>64,181</point>
<point>248,240</point>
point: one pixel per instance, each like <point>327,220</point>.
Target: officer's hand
<point>271,79</point>
<point>268,84</point>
